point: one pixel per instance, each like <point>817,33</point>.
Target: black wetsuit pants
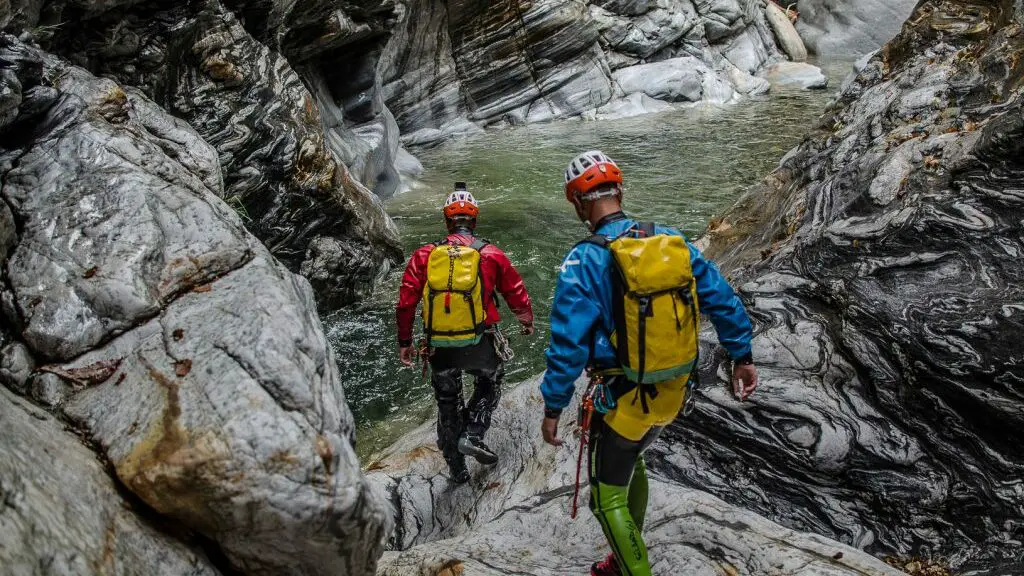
<point>454,416</point>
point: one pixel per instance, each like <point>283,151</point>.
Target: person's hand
<point>744,381</point>
<point>549,429</point>
<point>406,354</point>
<point>528,329</point>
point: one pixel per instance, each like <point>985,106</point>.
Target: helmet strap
<point>460,224</point>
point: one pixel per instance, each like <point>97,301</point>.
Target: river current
<point>680,168</point>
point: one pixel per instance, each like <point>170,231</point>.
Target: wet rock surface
<point>796,75</point>
<point>880,263</point>
<point>514,518</point>
<point>42,531</point>
<point>282,160</point>
<point>145,314</point>
<point>850,27</point>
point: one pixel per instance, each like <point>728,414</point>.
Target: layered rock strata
<point>881,265</point>
<point>139,309</point>
<point>454,67</point>
<point>514,518</point>
<point>281,148</point>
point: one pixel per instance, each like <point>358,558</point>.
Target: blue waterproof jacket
<point>581,314</point>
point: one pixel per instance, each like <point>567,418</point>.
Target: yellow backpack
<point>655,307</point>
<point>453,307</point>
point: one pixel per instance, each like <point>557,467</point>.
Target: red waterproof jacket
<point>499,275</point>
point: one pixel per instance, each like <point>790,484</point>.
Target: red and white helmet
<point>461,203</point>
<point>588,171</point>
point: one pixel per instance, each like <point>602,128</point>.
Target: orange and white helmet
<point>461,203</point>
<point>588,171</point>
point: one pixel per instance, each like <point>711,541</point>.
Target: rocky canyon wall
<point>881,264</point>
<point>138,309</point>
<point>454,67</point>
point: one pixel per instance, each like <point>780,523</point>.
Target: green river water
<point>680,168</point>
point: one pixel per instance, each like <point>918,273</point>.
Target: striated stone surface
<point>281,173</point>
<point>451,67</point>
<point>194,360</point>
<point>514,518</point>
<point>881,264</point>
<point>850,27</point>
<point>44,531</point>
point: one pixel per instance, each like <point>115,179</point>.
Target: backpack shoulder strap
<point>596,239</point>
<point>478,244</point>
<point>646,229</point>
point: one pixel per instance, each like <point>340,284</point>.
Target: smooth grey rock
<point>61,513</point>
<point>722,18</point>
<point>745,83</point>
<point>407,164</point>
<point>248,101</point>
<point>879,263</point>
<point>514,517</point>
<point>679,79</point>
<point>747,51</point>
<point>796,75</point>
<point>226,413</point>
<point>635,104</point>
<point>16,365</point>
<point>100,251</point>
<point>787,36</point>
<point>201,370</point>
<point>48,389</point>
<point>849,28</point>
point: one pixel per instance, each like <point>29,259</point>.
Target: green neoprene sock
<point>638,493</point>
<point>611,505</point>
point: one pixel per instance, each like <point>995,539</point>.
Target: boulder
<point>879,263</point>
<point>62,514</point>
<point>683,79</point>
<point>170,337</point>
<point>796,75</point>
<point>787,36</point>
<point>635,104</point>
<point>514,517</point>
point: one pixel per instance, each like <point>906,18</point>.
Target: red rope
<point>588,409</point>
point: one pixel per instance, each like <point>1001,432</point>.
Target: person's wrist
<point>550,412</point>
<point>745,360</point>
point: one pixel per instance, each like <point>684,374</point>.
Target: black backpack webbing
<point>478,245</point>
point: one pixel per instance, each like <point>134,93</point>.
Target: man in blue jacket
<point>582,329</point>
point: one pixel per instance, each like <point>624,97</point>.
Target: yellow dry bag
<point>655,307</point>
<point>453,308</point>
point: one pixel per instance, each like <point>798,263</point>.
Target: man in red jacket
<point>461,428</point>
